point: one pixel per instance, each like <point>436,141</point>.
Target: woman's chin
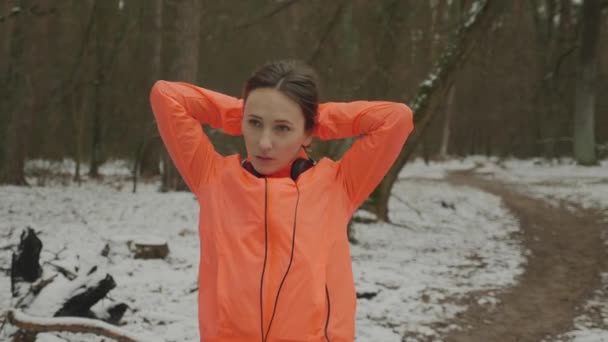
<point>264,169</point>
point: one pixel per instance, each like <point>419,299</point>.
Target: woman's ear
<point>307,141</point>
<point>307,148</point>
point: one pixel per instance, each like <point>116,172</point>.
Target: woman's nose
<point>265,142</point>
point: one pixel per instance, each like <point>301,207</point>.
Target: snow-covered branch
<point>74,325</point>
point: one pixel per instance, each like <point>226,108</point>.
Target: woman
<point>275,262</point>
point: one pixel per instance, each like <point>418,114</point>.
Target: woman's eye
<point>283,128</point>
<point>255,123</point>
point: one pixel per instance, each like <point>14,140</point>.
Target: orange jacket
<point>275,261</point>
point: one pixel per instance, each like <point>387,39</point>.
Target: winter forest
<point>491,224</point>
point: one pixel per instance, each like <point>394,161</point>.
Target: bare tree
<point>88,92</point>
<point>455,18</point>
<point>102,15</point>
<point>586,75</point>
<point>385,53</point>
<point>78,104</point>
<point>449,112</point>
<point>150,151</point>
<point>21,101</point>
<point>180,59</point>
<point>553,27</point>
<point>111,27</point>
<point>482,15</point>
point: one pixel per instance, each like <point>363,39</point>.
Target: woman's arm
<point>180,109</point>
<point>384,127</point>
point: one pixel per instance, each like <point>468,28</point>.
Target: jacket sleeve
<point>180,109</point>
<point>384,128</point>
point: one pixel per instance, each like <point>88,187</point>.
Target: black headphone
<point>298,167</point>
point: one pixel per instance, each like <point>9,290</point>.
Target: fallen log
<point>62,293</point>
<point>34,324</point>
<point>75,298</point>
<point>85,296</point>
<point>113,314</point>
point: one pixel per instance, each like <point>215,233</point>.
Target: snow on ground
<point>450,241</point>
<point>446,243</point>
<point>552,180</point>
<point>563,180</point>
<point>556,180</point>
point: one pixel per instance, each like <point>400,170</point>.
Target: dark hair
<point>293,78</point>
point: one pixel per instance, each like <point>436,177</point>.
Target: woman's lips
<point>264,159</point>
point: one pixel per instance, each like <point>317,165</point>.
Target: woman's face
<point>273,128</point>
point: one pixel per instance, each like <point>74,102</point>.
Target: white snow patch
<point>448,242</point>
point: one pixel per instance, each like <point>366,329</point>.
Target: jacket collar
<point>286,171</point>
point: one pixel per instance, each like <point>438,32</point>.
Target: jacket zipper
<point>293,243</point>
<point>265,258</point>
<point>328,313</point>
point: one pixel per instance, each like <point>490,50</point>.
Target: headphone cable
<point>293,243</point>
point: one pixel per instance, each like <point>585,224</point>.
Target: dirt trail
<point>567,255</point>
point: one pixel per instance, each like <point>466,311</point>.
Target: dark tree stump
<point>366,295</point>
<point>80,304</point>
<point>115,313</point>
<point>149,249</point>
<point>25,264</point>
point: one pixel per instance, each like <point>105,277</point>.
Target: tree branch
<point>72,324</point>
<point>34,289</point>
<point>561,59</point>
<point>330,26</point>
<point>7,247</point>
<point>267,15</point>
<point>16,10</point>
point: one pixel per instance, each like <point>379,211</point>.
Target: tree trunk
<point>171,179</point>
<point>150,159</point>
<point>80,122</point>
<point>79,108</point>
<point>180,45</point>
<point>5,38</point>
<point>6,34</point>
<point>111,28</point>
<point>386,50</point>
<point>552,38</point>
<point>21,101</point>
<point>13,168</point>
<point>152,23</point>
<point>445,133</point>
<point>94,161</point>
<point>98,81</point>
<point>586,75</point>
<point>455,20</point>
<point>434,89</point>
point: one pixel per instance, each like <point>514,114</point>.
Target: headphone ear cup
<point>299,166</point>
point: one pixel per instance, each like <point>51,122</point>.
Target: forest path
<point>566,258</point>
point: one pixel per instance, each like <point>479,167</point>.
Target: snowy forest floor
<point>478,250</point>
